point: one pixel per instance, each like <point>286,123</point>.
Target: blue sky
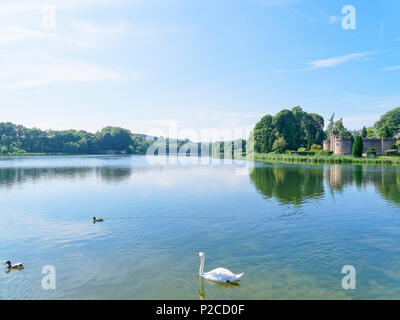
<point>203,64</point>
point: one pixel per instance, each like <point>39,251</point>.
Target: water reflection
<point>14,269</point>
<point>201,291</point>
<point>289,184</point>
<point>297,184</point>
<point>386,180</point>
<point>217,286</point>
<point>15,176</point>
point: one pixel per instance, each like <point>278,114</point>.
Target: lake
<point>290,228</point>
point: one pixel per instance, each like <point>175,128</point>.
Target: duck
<point>98,219</point>
<point>15,265</point>
<point>218,274</point>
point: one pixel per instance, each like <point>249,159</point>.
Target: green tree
<point>286,124</point>
<point>264,135</point>
<point>300,129</point>
<point>331,124</point>
<point>358,147</point>
<point>115,138</point>
<point>371,132</point>
<point>389,123</point>
<point>339,129</point>
<point>364,132</point>
<point>279,145</point>
<point>386,132</point>
<point>318,129</point>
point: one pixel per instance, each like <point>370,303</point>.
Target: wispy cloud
<point>27,75</point>
<point>337,61</point>
<point>331,62</point>
<point>392,68</point>
<point>10,6</point>
<point>17,33</point>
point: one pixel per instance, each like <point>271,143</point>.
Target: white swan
<point>218,274</point>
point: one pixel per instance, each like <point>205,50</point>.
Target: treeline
<point>231,149</point>
<point>17,139</point>
<point>288,130</point>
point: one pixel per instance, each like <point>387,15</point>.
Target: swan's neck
<point>201,270</point>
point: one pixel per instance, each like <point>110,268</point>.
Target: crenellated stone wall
<point>343,146</point>
<point>327,144</point>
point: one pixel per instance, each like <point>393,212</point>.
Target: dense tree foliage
<point>389,124</point>
<point>296,127</point>
<point>18,139</point>
<point>358,147</point>
<point>264,135</point>
<point>371,132</point>
<point>331,120</point>
<point>364,132</point>
<point>338,128</point>
<point>310,128</point>
<point>279,145</point>
<point>114,138</point>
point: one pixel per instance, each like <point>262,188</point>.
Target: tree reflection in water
<point>295,184</point>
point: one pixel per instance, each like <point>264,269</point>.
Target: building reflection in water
<point>295,184</point>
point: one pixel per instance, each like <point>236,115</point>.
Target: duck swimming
<point>97,219</point>
<point>218,274</point>
<point>18,265</point>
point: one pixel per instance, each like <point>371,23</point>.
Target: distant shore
<point>61,154</point>
<point>269,157</point>
<point>18,154</point>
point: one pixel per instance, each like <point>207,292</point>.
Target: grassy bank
<point>261,157</point>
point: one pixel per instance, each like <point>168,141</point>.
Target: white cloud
<point>336,61</point>
<point>10,6</point>
<point>331,62</point>
<point>392,68</point>
<point>27,75</point>
<point>16,33</point>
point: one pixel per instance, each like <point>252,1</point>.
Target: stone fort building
<point>344,146</point>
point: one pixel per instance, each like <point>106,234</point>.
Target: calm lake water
<point>290,228</point>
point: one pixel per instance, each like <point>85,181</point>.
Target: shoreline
<point>261,158</point>
<point>62,154</point>
<point>345,160</point>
